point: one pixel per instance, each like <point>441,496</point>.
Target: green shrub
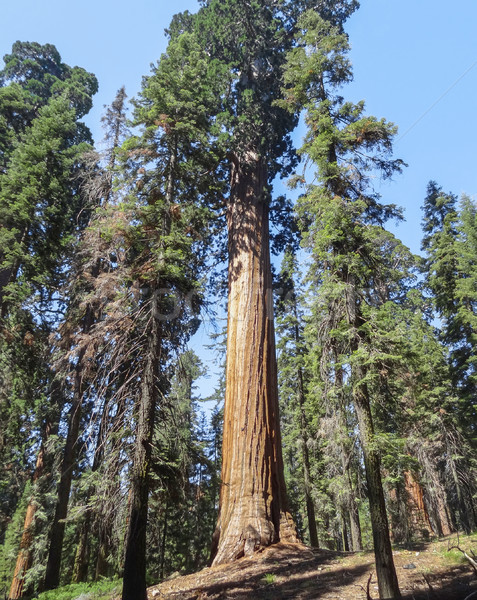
<point>105,589</point>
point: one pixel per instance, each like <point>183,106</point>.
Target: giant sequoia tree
<point>252,40</point>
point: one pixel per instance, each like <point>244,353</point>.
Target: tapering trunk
<point>385,569</point>
<point>253,507</point>
<point>42,468</point>
<point>24,558</point>
<point>134,575</point>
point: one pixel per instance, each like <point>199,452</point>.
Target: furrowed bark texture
<point>416,506</point>
<point>253,508</point>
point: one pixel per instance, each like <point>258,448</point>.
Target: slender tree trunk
<point>52,576</point>
<point>385,569</point>
<point>24,558</point>
<point>352,507</point>
<point>253,506</point>
<point>345,451</point>
<point>310,506</point>
<point>344,531</point>
<point>134,576</point>
<point>80,569</point>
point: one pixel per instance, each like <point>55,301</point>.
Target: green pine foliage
<point>108,260</point>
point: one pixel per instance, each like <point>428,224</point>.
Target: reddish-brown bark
<point>24,558</point>
<point>417,509</point>
<point>253,507</point>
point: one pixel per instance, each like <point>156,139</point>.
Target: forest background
<point>417,67</point>
<point>414,63</point>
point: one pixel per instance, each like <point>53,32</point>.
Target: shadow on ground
<point>294,571</point>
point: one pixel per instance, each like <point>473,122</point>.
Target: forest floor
<point>427,571</point>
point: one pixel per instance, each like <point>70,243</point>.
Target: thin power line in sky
<point>450,88</point>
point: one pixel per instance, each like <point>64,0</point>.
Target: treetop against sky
<point>414,63</point>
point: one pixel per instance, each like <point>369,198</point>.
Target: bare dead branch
<point>471,561</point>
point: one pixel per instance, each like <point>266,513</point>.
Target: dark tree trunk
<point>253,506</point>
<point>80,569</point>
<point>134,575</point>
<point>53,567</point>
<point>385,570</point>
<point>310,506</point>
<point>352,506</point>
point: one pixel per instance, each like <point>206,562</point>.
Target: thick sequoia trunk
<point>253,507</point>
<point>416,506</point>
<point>385,570</point>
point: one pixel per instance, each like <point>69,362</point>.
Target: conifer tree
<point>173,191</point>
<point>344,232</point>
<point>449,243</point>
<point>251,39</point>
<point>81,315</point>
<point>292,378</point>
<point>41,211</point>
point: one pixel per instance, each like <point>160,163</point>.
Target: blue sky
<point>415,63</point>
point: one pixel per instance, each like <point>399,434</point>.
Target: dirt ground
<point>293,571</point>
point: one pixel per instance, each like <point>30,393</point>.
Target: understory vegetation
<point>360,434</point>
